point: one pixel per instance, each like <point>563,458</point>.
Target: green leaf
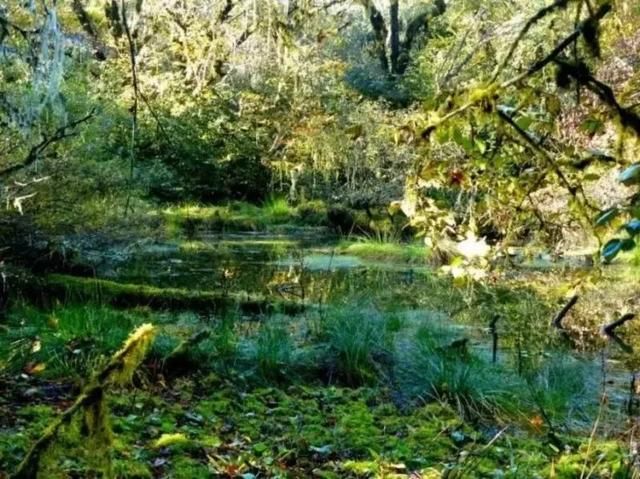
<point>606,216</point>
<point>459,138</point>
<point>611,249</point>
<point>524,122</point>
<point>260,447</point>
<point>627,244</point>
<point>631,175</point>
<point>633,227</point>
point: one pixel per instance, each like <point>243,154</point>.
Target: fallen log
<point>75,288</point>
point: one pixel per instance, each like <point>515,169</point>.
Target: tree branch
<point>557,321</point>
<point>136,94</point>
<point>609,330</point>
<point>530,23</point>
<point>61,133</point>
<point>536,67</point>
<point>580,73</point>
<point>223,16</point>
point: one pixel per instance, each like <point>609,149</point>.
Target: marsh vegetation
<point>319,238</point>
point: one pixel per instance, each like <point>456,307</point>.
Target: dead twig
<point>557,321</point>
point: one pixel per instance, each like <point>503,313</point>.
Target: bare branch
<point>530,23</point>
<point>557,321</point>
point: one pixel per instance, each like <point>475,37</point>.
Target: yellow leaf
<point>34,368</point>
<point>170,440</point>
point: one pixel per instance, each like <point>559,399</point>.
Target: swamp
<point>319,239</point>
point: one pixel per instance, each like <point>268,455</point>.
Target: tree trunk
<point>395,36</point>
<point>379,31</point>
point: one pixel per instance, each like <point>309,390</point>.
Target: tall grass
<point>68,340</point>
<point>386,245</point>
<point>356,344</point>
<point>189,219</point>
<point>440,367</point>
<point>277,209</point>
<point>392,251</point>
<point>419,356</point>
<point>273,351</point>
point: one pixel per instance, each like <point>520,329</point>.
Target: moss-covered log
<point>76,288</point>
<point>118,370</point>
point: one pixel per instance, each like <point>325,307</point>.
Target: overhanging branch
<point>36,151</point>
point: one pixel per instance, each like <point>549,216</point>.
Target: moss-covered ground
<point>206,427</point>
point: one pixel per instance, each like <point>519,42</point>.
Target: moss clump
<point>319,431</point>
<point>388,251</point>
<point>168,440</point>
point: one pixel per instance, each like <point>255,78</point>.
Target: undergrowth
<point>380,391</point>
<point>188,219</point>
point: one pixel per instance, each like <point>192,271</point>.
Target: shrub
<point>312,213</point>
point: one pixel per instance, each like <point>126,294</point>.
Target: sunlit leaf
<point>606,216</point>
<point>631,175</point>
<point>611,249</point>
<point>633,227</point>
<point>34,368</point>
<point>524,122</point>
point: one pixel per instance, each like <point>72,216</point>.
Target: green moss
<point>598,459</point>
<point>314,432</point>
<point>388,251</point>
<point>188,468</point>
<point>131,469</point>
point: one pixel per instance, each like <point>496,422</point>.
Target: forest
<point>319,239</point>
